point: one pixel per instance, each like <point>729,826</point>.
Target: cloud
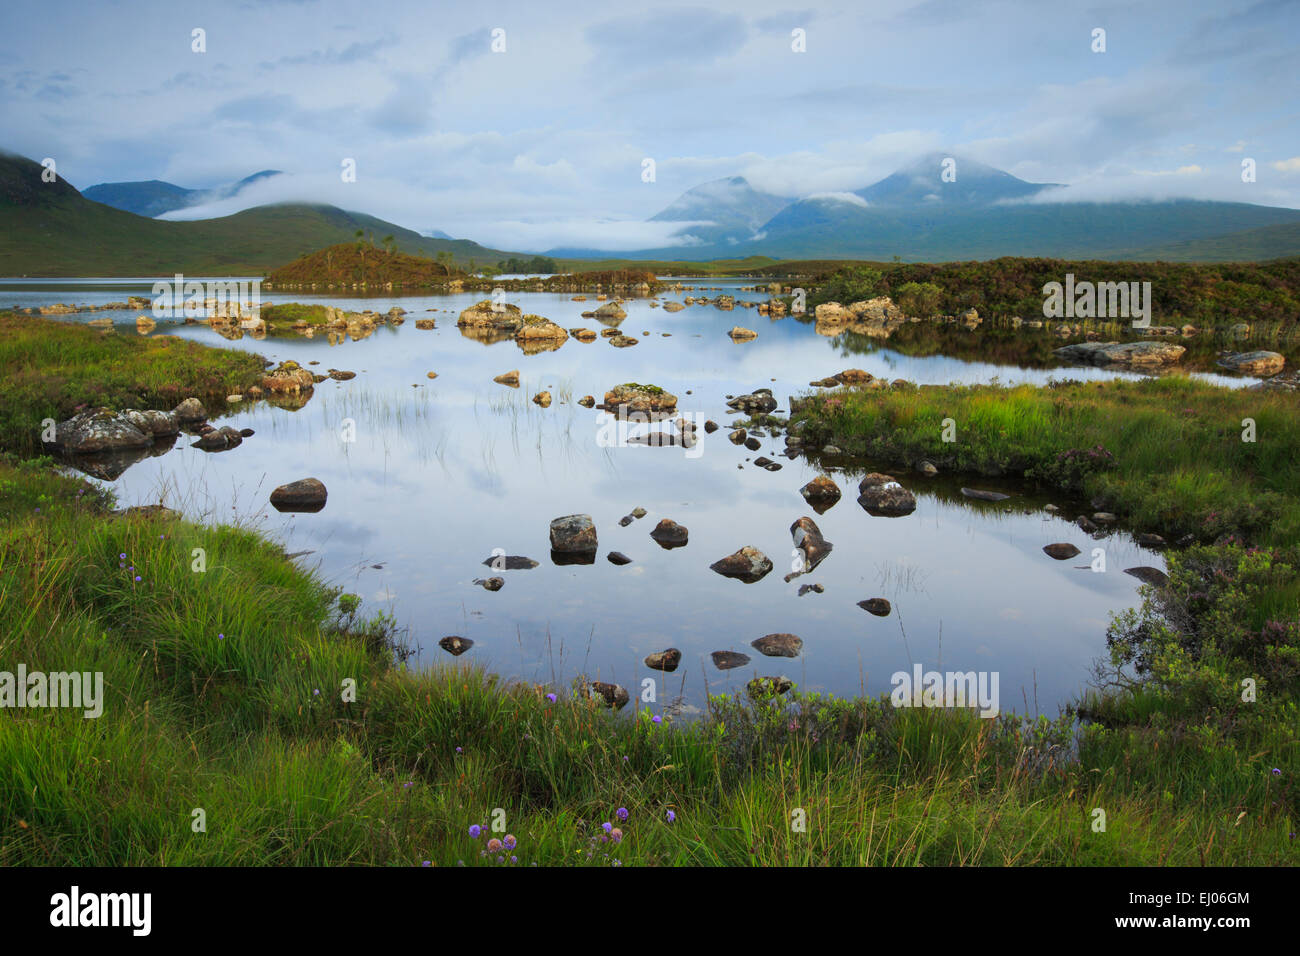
<point>850,198</point>
<point>1291,165</point>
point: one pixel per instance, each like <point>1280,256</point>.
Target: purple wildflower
<point>621,813</point>
<point>475,830</point>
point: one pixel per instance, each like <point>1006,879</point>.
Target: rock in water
<point>99,430</point>
<point>821,493</point>
<point>305,495</point>
<point>612,694</point>
<point>573,533</point>
<point>778,645</point>
<point>491,584</point>
<point>669,534</point>
<point>455,646</point>
<point>1149,575</point>
<point>1253,363</point>
<point>510,562</point>
<point>979,495</point>
<point>510,378</point>
<point>727,660</point>
<point>808,539</point>
<point>880,607</point>
<point>761,688</point>
<point>1061,551</point>
<point>618,558</point>
<point>882,496</point>
<point>748,565</point>
<point>664,660</point>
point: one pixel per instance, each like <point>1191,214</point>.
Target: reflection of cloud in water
<point>440,475</point>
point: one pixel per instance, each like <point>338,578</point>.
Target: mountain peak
<point>944,178</point>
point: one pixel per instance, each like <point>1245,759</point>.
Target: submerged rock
<point>1149,575</point>
<point>979,495</point>
<point>669,534</point>
<point>821,493</point>
<point>510,562</point>
<point>883,497</point>
<point>219,439</point>
<point>455,646</point>
<point>727,660</point>
<point>761,688</point>
<point>1061,551</point>
<point>573,533</point>
<point>880,607</point>
<point>778,645</point>
<point>1144,354</point>
<point>306,494</point>
<point>1253,363</point>
<point>808,539</point>
<point>491,584</point>
<point>664,660</point>
<point>747,564</point>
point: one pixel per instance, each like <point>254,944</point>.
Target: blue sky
<point>542,144</point>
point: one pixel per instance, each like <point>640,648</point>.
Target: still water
<point>443,471</point>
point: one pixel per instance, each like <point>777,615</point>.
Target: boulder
<point>306,494</point>
<point>503,317</point>
<point>219,439</point>
<point>727,660</point>
<point>455,646</point>
<point>669,534</point>
<point>664,660</point>
<point>747,564</point>
<point>618,558</point>
<point>778,645</point>
<point>882,496</point>
<point>1061,551</point>
<point>640,398</point>
<point>1253,363</point>
<point>510,378</point>
<point>821,493</point>
<point>762,688</point>
<point>543,399</point>
<point>741,334</point>
<point>980,495</point>
<point>880,607</point>
<point>1138,355</point>
<point>760,401</point>
<point>158,424</point>
<point>573,534</point>
<point>288,378</point>
<point>808,539</point>
<point>189,411</point>
<point>99,430</point>
<point>613,695</point>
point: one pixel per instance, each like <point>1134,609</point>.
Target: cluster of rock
<point>877,318</point>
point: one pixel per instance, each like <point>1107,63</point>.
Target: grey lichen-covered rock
<point>1145,354</point>
<point>1253,363</point>
<point>99,430</point>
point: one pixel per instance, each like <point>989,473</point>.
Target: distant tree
<point>851,284</point>
<point>919,298</point>
<point>389,242</point>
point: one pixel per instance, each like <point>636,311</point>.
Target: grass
<point>53,368</point>
<point>1180,465</point>
<point>256,716</point>
<point>212,704</point>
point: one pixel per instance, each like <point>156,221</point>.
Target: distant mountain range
<point>915,214</point>
<point>50,229</point>
<point>154,197</point>
<point>975,212</point>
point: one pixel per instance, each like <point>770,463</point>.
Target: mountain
<point>51,229</point>
<point>973,184</point>
<point>983,213</point>
<point>155,197</point>
<point>150,198</point>
<point>733,209</point>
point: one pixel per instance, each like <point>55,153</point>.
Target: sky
<point>542,141</point>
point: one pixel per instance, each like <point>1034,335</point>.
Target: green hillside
<point>50,229</point>
<point>1250,245</point>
